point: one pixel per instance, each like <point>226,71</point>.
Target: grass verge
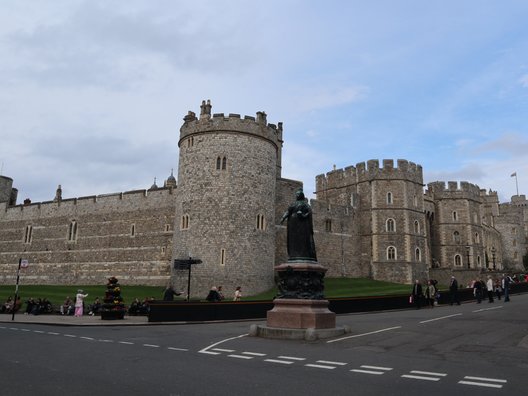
<point>334,288</point>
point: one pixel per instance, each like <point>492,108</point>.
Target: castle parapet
<point>351,175</point>
<point>103,203</point>
<point>454,190</point>
<point>405,170</point>
<point>233,123</point>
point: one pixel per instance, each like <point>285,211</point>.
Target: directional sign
<point>185,264</point>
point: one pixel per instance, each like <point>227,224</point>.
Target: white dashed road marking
<point>424,375</point>
<point>364,334</point>
<point>241,357</point>
<point>223,350</point>
<point>177,349</point>
<point>440,318</point>
<point>278,361</point>
<point>375,370</point>
<point>480,381</point>
<point>254,354</point>
<point>151,346</point>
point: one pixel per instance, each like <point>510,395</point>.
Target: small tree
<point>113,305</point>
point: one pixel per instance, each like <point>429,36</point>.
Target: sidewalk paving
<point>85,320</point>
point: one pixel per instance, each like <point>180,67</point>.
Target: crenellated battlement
<point>455,190</point>
<point>210,123</point>
<point>368,171</point>
<point>122,201</point>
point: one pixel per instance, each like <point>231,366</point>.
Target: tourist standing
<point>238,294</point>
<point>79,303</point>
<point>477,290</point>
<point>489,286</point>
<point>430,292</point>
<point>416,294</point>
<point>506,280</point>
<point>453,291</point>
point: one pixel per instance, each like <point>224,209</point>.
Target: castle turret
<point>225,213</point>
<point>8,194</point>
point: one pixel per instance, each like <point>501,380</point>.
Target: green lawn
<point>57,294</point>
<point>334,288</point>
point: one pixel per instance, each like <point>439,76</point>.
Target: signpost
<point>186,265</point>
<point>22,263</point>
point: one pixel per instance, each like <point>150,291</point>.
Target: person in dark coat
<point>169,293</point>
<point>213,295</point>
<point>417,294</point>
<point>477,290</point>
<point>453,291</point>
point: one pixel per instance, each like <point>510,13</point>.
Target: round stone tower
<point>225,201</point>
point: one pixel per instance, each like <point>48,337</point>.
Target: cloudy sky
<point>92,93</point>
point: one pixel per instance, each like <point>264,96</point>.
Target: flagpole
<point>16,289</point>
<point>516,182</point>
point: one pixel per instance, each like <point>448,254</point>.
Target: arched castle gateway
<point>370,220</point>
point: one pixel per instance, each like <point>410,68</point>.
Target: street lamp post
<point>468,248</point>
<point>493,257</point>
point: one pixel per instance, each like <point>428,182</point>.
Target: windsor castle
<point>375,220</point>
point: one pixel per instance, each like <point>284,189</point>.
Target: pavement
<point>85,320</point>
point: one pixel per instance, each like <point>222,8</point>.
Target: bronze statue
<point>300,241</point>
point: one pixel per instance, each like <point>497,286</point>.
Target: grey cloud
<point>509,143</point>
<point>99,44</point>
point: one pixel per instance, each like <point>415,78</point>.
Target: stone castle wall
<point>128,235</point>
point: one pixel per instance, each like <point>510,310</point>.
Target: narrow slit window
<point>72,231</point>
<point>222,256</point>
<point>261,222</point>
<point>28,234</point>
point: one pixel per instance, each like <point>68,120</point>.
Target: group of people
<point>492,288</point>
<point>428,294</point>
<point>138,307</point>
<point>10,305</point>
<point>216,294</point>
<point>38,306</point>
<point>77,307</point>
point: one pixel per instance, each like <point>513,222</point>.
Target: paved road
<point>473,349</point>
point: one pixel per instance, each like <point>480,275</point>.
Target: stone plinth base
<point>296,334</point>
<point>290,313</point>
